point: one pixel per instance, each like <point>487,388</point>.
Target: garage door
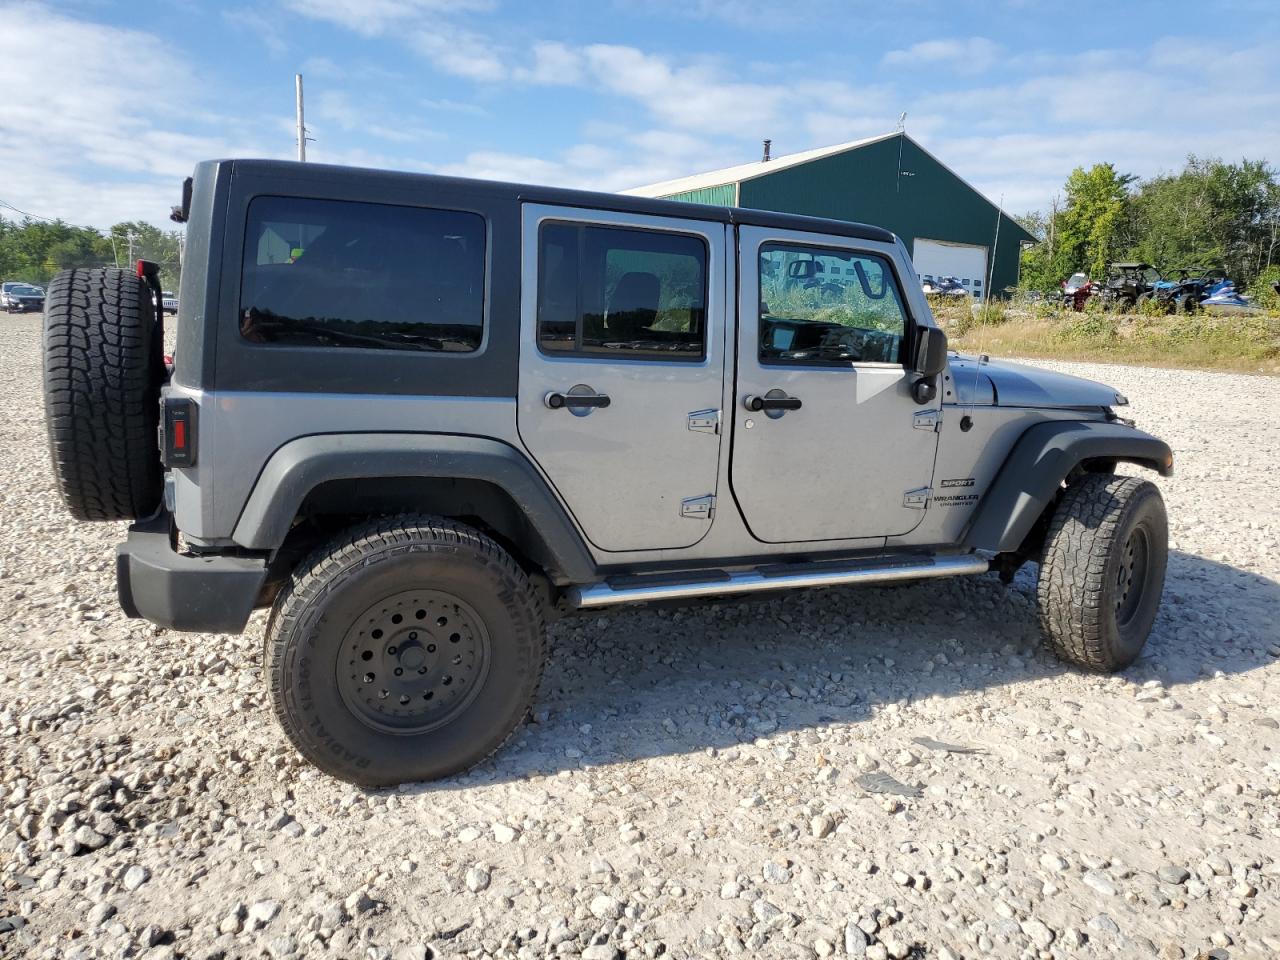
<point>939,258</point>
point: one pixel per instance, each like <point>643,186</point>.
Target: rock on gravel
<point>690,784</point>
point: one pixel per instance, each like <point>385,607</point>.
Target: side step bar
<point>641,589</point>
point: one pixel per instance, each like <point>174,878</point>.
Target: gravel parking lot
<point>698,781</point>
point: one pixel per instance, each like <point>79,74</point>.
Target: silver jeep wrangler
<point>417,416</point>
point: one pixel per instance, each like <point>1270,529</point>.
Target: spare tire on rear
<point>103,369</point>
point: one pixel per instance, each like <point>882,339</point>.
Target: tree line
<point>1209,214</point>
<point>34,250</point>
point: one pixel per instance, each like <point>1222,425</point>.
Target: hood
<point>1007,384</point>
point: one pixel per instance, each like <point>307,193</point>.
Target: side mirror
<point>931,360</point>
<point>931,352</point>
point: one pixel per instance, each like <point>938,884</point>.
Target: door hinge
<point>705,421</point>
<point>926,420</point>
<point>698,508</point>
<point>918,498</point>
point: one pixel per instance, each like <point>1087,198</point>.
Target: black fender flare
<point>301,465</point>
<point>1037,465</point>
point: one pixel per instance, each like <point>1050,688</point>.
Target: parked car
<point>943,287</point>
<point>169,302</point>
<point>1127,283</point>
<point>18,297</point>
<point>606,400</point>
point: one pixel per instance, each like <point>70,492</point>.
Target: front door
<point>828,443</point>
<point>621,370</point>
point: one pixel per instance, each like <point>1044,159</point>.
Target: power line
<point>36,216</point>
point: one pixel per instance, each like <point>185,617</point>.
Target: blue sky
<point>104,107</point>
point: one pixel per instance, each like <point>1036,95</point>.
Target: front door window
<point>828,306</point>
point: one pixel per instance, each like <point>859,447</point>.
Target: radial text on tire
<point>1103,570</point>
<point>103,369</point>
<point>407,648</point>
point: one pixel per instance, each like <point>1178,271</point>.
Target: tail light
<point>178,432</point>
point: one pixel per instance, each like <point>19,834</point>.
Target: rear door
<point>621,370</point>
<point>828,443</point>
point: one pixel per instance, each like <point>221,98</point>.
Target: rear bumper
<point>183,592</point>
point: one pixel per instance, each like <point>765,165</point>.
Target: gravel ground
<point>698,781</point>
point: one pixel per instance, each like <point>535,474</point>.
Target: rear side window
<point>334,273</point>
<point>613,292</point>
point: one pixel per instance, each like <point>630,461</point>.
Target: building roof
<point>748,171</point>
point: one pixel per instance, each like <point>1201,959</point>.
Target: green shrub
<point>1151,307</point>
<point>1263,290</point>
<point>989,313</point>
<point>1048,308</point>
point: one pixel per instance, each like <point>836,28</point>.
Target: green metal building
<point>890,181</point>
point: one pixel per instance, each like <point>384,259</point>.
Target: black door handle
<point>756,404</point>
<point>575,401</point>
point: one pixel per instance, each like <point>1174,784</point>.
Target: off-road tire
<point>103,368</point>
<point>1089,616</point>
<point>314,624</point>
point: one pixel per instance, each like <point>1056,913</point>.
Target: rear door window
<point>335,273</point>
<point>621,293</point>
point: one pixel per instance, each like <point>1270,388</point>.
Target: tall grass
<point>1248,343</point>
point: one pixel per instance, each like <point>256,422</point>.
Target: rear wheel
<point>103,369</point>
<point>1103,570</point>
<point>409,648</point>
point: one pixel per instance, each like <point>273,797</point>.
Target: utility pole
<point>302,128</point>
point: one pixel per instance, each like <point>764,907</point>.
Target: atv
<point>1126,284</point>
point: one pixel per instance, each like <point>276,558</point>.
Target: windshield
<point>26,290</point>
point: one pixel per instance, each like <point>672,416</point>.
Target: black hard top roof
<point>1132,266</point>
<point>559,196</point>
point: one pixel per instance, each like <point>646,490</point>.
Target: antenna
<point>986,297</point>
<point>767,145</point>
<point>902,135</point>
<point>302,128</point>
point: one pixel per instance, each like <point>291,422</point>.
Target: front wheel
<point>408,648</point>
<point>1103,570</point>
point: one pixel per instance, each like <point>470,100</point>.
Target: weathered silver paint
<point>965,382</point>
<point>838,467</point>
<point>238,433</point>
<point>851,460</point>
<point>625,469</point>
<point>975,455</point>
<point>1018,385</point>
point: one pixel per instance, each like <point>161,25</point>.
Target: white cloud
<point>966,55</point>
<point>460,52</point>
<point>345,113</point>
<point>553,63</point>
<point>372,17</point>
<point>89,124</point>
<point>694,97</point>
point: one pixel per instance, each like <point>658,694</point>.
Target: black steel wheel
<point>413,661</point>
<point>408,648</point>
<point>1103,570</point>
